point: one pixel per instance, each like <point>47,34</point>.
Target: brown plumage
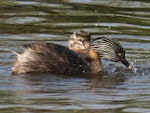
<point>49,57</point>
<point>54,58</point>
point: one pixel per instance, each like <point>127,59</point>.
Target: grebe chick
<point>54,58</point>
<point>80,42</point>
<point>108,49</point>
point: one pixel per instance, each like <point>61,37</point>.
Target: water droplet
<point>113,70</point>
<point>135,70</point>
<point>80,66</point>
<point>143,73</point>
<point>96,25</point>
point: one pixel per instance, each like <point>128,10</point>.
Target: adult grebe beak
<point>127,64</point>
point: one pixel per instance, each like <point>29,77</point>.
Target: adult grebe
<point>54,58</point>
<point>108,49</point>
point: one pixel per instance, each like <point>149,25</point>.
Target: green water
<point>117,90</point>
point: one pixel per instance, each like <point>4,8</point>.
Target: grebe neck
<point>94,61</point>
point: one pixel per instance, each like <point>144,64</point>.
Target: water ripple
<point>23,20</point>
<point>115,90</point>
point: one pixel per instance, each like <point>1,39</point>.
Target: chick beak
<point>86,44</point>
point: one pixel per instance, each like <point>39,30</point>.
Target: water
<point>117,90</point>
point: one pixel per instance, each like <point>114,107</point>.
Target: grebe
<point>80,41</point>
<point>82,56</point>
<point>54,58</point>
<point>108,49</point>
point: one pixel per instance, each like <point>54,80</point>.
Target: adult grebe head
<point>110,49</point>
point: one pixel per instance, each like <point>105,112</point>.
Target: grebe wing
<point>110,49</point>
<point>54,58</point>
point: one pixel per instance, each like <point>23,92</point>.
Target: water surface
<point>116,90</point>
